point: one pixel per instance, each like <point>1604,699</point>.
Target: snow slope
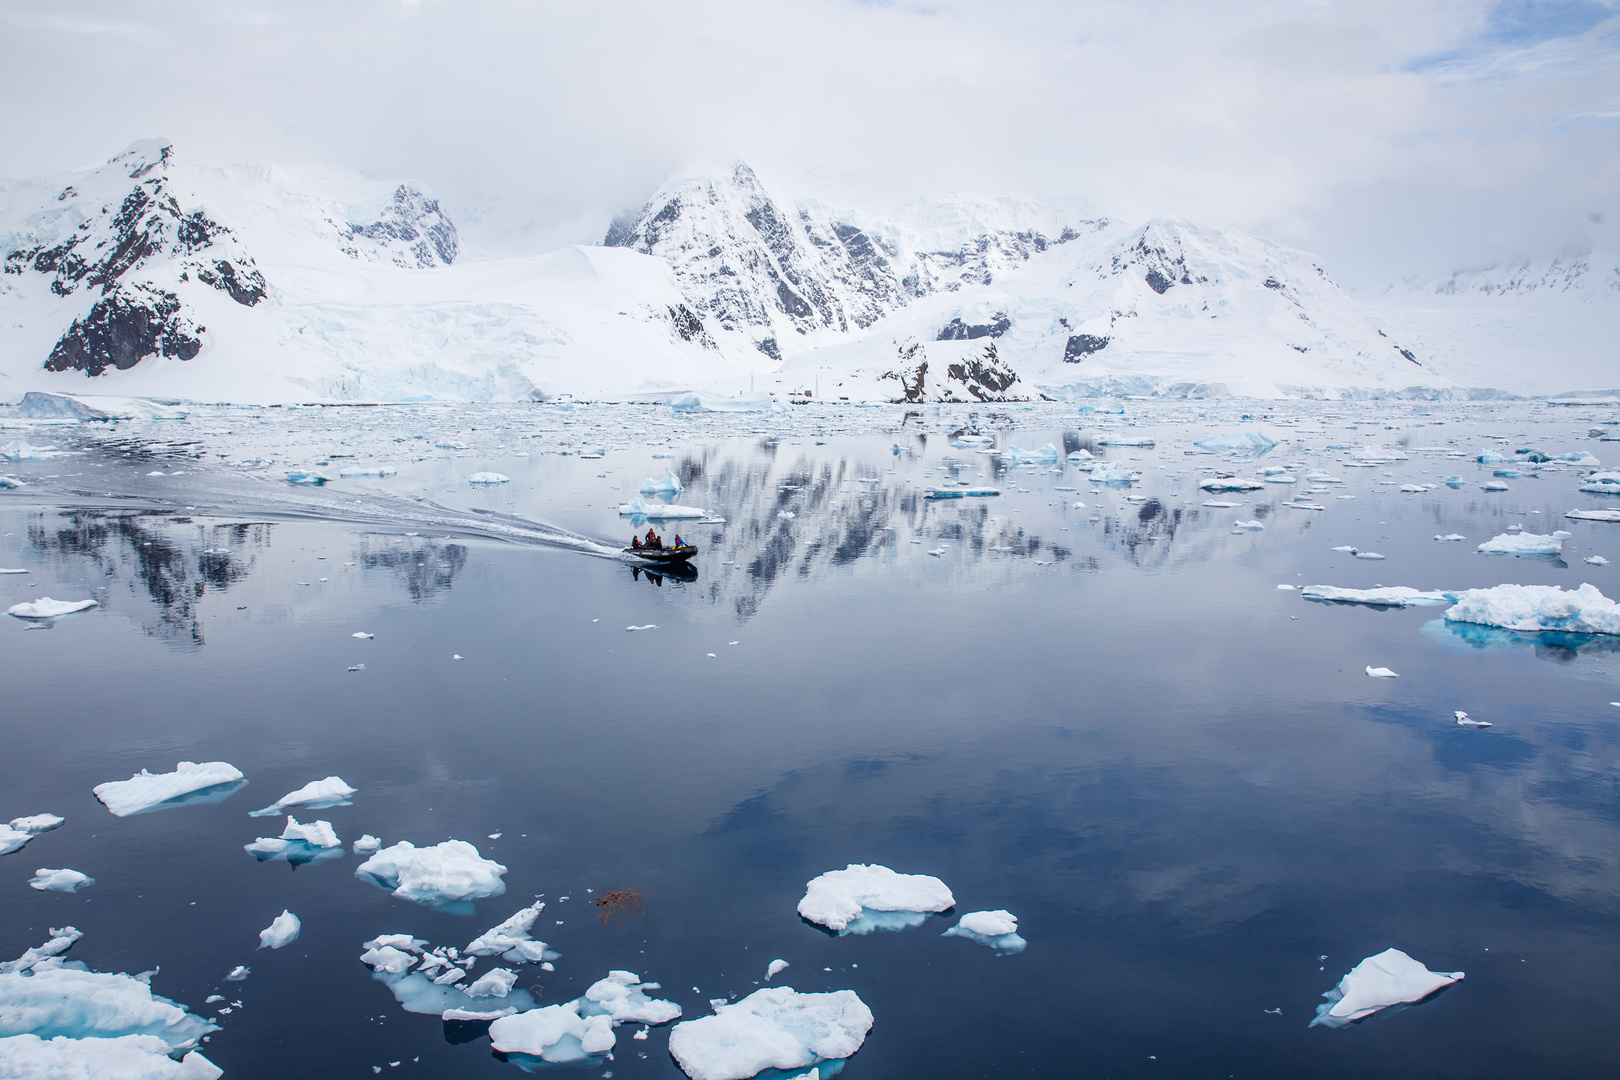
<point>150,275</point>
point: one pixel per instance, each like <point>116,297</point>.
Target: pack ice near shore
<point>862,898</point>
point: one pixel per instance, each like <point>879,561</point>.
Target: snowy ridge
<point>1588,273</point>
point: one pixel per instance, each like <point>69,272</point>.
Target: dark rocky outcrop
<point>1080,346</point>
<point>124,328</point>
<point>957,330</point>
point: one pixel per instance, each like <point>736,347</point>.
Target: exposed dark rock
<point>768,347</point>
<point>987,379</point>
<point>1081,346</point>
<point>123,329</point>
<point>1158,282</point>
<point>415,220</point>
<point>246,288</point>
<point>957,330</point>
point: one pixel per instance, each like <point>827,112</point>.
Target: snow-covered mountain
<point>148,274</point>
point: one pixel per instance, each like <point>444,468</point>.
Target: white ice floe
<point>1370,556</point>
<point>622,998</point>
<point>1238,442</point>
<point>1231,483</point>
<point>190,782</point>
<point>283,930</point>
<point>659,511</point>
<point>1451,536</point>
<point>510,940</point>
<point>238,973</point>
<point>1221,504</point>
<point>11,483</point>
<point>785,515</point>
<point>60,880</point>
<point>21,830</point>
<point>126,1057</point>
<point>307,479</point>
<point>1287,588</point>
<point>19,450</point>
<point>669,485</point>
<point>774,968</point>
<point>862,898</point>
<point>1390,596</point>
<point>1597,560</point>
<point>429,990</point>
<point>556,1034</point>
<point>997,929</point>
<point>447,874</point>
<point>494,983</point>
<point>41,994</point>
<point>1537,608</point>
<point>354,472</point>
<point>366,844</point>
<point>1390,978</point>
<point>1525,544</point>
<point>1046,455</point>
<point>46,608</point>
<point>1112,472</point>
<point>773,1028</point>
<point>959,492</point>
<point>362,635</point>
<point>1381,673</point>
<point>1463,720</point>
<point>486,478</point>
<point>1594,515</point>
<point>1247,526</point>
<point>315,795</point>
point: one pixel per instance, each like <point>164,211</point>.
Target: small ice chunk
<point>556,1034</point>
<point>283,930</point>
<point>773,1028</point>
<point>838,898</point>
<point>785,515</point>
<point>660,511</point>
<point>298,844</point>
<point>238,973</point>
<point>1286,588</point>
<point>388,959</point>
<point>362,635</point>
<point>315,795</point>
<point>1381,673</point>
<point>1594,515</point>
<point>1389,596</point>
<point>774,968</point>
<point>126,1057</point>
<point>59,943</point>
<point>60,880</point>
<point>307,479</point>
<point>1597,560</point>
<point>190,782</point>
<point>23,829</point>
<point>997,929</point>
<point>649,626</point>
<point>1525,544</point>
<point>669,485</point>
<point>315,833</point>
<point>622,998</point>
<point>366,844</point>
<point>511,941</point>
<point>1538,608</point>
<point>1462,718</point>
<point>448,875</point>
<point>1390,978</point>
<point>497,982</point>
<point>46,608</point>
<point>1247,526</point>
<point>1451,536</point>
<point>396,941</point>
<point>356,471</point>
<point>1239,442</point>
<point>1370,556</point>
<point>486,478</point>
<point>1231,483</point>
<point>1221,504</point>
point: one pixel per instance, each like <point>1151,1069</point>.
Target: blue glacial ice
<point>46,608</point>
<point>669,486</point>
<point>1378,982</point>
<point>299,844</point>
<point>640,508</point>
<point>21,451</point>
<point>21,830</point>
<point>773,1028</point>
<point>1231,483</point>
<point>1046,455</point>
<point>46,880</point>
<point>1250,443</point>
<point>283,930</point>
<point>998,929</point>
<point>554,1035</point>
<point>191,782</point>
<point>860,898</point>
<point>959,492</point>
<point>448,876</point>
<point>126,1057</point>
<point>315,795</point>
<point>1538,609</point>
<point>11,483</point>
<point>307,479</point>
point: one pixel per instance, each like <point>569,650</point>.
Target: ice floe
<point>1238,442</point>
<point>510,939</point>
<point>448,875</point>
<point>1463,720</point>
<point>299,843</point>
<point>660,511</point>
<point>1248,526</point>
<point>487,478</point>
<point>959,492</point>
<point>1525,544</point>
<point>126,1057</point>
<point>1231,483</point>
<point>18,450</point>
<point>494,983</point>
<point>1046,455</point>
<point>283,930</point>
<point>11,483</point>
<point>773,1028</point>
<point>366,844</point>
<point>430,989</point>
<point>60,880</point>
<point>860,898</point>
<point>1390,978</point>
<point>315,795</point>
<point>1594,515</point>
<point>46,608</point>
<point>1538,608</point>
<point>307,479</point>
<point>774,968</point>
<point>669,485</point>
<point>21,830</point>
<point>622,998</point>
<point>190,782</point>
<point>998,929</point>
<point>1381,673</point>
<point>1390,596</point>
<point>555,1035</point>
<point>354,472</point>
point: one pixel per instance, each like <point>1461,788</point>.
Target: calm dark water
<point>1177,776</point>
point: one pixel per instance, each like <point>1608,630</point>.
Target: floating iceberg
<point>1390,978</point>
<point>46,608</point>
<point>511,941</point>
<point>1247,526</point>
<point>1239,442</point>
<point>1112,472</point>
<point>1392,596</point>
<point>60,880</point>
<point>427,991</point>
<point>997,929</point>
<point>126,1057</point>
<point>283,930</point>
<point>307,479</point>
<point>741,403</point>
<point>1046,455</point>
<point>21,830</point>
<point>659,511</point>
<point>556,1035</point>
<point>11,483</point>
<point>670,485</point>
<point>487,478</point>
<point>622,998</point>
<point>775,968</point>
<point>21,451</point>
<point>773,1028</point>
<point>495,983</point>
<point>1537,608</point>
<point>1603,483</point>
<point>1493,485</point>
<point>1231,483</point>
<point>1489,457</point>
<point>1146,444</point>
<point>1381,673</point>
<point>209,782</point>
<point>366,844</point>
<point>1525,544</point>
<point>315,795</point>
<point>1081,455</point>
<point>1578,457</point>
<point>959,492</point>
<point>354,472</point>
<point>862,898</point>
<point>44,996</point>
<point>1594,515</point>
<point>298,844</point>
<point>448,875</point>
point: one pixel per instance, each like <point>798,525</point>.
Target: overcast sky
<point>1387,135</point>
